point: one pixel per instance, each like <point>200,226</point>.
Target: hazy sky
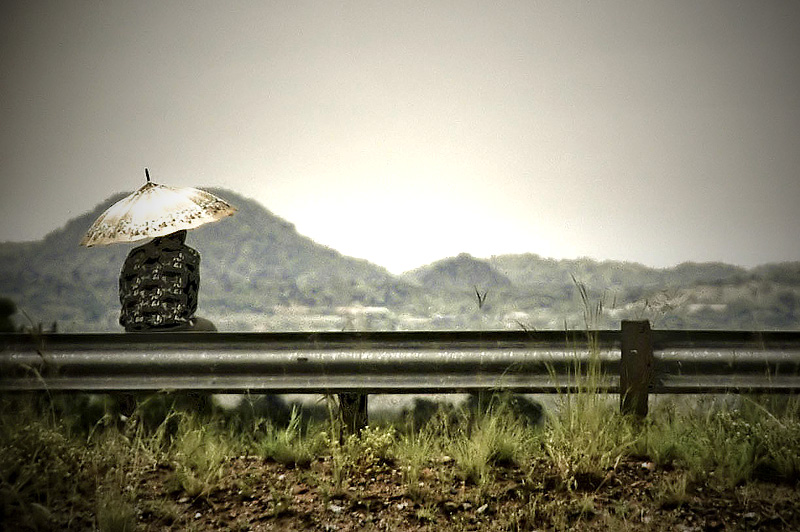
<point>404,132</point>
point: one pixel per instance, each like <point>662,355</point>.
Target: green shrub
<point>289,445</point>
<point>737,441</point>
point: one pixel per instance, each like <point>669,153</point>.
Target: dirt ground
<point>260,495</point>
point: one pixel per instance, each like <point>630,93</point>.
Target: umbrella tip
<point>147,174</point>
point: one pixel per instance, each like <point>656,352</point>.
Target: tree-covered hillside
<point>253,264</point>
<point>258,273</point>
<point>690,295</point>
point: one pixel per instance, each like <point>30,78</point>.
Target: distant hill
<point>531,269</point>
<point>257,260</point>
<point>708,295</point>
<point>259,273</point>
<point>251,263</point>
<point>458,273</point>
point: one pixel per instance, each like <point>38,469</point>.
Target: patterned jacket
<point>158,284</point>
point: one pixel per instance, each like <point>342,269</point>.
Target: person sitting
<point>158,287</point>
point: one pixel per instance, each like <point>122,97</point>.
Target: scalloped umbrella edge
<point>155,210</point>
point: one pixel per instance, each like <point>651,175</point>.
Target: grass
<point>736,442</point>
<point>289,445</point>
<point>492,437</point>
<point>199,453</point>
<point>115,512</point>
<point>54,469</point>
<point>586,438</point>
<point>413,451</point>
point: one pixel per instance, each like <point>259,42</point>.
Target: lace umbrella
<point>155,210</point>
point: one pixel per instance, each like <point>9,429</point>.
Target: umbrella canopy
<point>155,210</point>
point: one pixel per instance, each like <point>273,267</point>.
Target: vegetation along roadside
<point>491,463</point>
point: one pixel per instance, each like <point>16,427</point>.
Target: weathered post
<point>353,410</point>
<point>636,367</point>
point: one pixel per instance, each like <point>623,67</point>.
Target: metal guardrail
<point>374,362</point>
<point>725,362</point>
<point>403,362</point>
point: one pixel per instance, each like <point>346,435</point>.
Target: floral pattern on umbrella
<point>155,210</point>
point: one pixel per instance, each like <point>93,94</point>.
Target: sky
<point>405,132</point>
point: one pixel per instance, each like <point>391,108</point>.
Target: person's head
<point>178,237</point>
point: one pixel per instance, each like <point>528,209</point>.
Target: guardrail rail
<point>633,362</point>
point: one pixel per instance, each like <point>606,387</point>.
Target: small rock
<point>450,506</point>
<point>335,508</point>
<point>183,500</point>
<point>482,509</point>
<point>281,477</point>
<point>402,505</point>
<point>198,515</point>
<point>466,506</point>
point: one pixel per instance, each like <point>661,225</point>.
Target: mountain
<point>251,264</point>
<point>257,260</point>
<point>458,273</point>
<point>531,269</point>
<point>709,295</point>
<point>259,273</point>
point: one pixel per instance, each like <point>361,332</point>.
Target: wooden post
<point>636,367</point>
<point>353,409</point>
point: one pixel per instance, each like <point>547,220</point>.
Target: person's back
<point>158,285</point>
